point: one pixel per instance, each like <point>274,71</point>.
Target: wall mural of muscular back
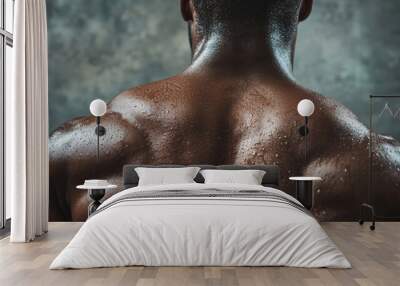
<point>220,84</point>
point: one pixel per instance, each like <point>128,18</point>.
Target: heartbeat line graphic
<point>388,110</point>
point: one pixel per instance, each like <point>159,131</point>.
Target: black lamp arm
<point>307,132</point>
<point>100,131</point>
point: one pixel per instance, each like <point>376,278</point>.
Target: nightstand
<point>304,190</point>
<point>96,193</point>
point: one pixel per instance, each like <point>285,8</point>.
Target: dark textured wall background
<point>347,50</point>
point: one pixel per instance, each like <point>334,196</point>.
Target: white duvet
<point>200,231</point>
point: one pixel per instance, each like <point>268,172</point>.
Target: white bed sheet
<point>200,232</point>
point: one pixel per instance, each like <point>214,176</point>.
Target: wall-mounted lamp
<point>98,108</point>
<point>305,108</point>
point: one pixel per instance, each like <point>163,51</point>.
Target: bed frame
<point>271,177</point>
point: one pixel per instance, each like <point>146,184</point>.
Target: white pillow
<point>164,176</point>
<point>248,177</point>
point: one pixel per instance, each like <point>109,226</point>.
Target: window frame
<point>6,39</point>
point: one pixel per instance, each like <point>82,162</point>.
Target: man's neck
<point>246,52</point>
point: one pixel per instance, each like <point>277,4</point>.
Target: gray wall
<point>347,50</point>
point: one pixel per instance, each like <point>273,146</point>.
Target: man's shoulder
<point>337,116</point>
<point>164,87</point>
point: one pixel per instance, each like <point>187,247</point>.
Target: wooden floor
<point>375,257</point>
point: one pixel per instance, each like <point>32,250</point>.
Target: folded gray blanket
<point>202,194</point>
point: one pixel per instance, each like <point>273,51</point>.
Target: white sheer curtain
<point>27,124</point>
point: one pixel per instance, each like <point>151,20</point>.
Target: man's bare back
<point>215,113</point>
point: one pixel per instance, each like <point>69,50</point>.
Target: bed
<point>198,224</point>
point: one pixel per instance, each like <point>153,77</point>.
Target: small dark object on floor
<point>372,210</point>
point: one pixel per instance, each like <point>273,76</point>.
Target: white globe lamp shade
<point>98,107</point>
<point>305,108</point>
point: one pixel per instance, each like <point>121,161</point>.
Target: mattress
<point>201,225</point>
